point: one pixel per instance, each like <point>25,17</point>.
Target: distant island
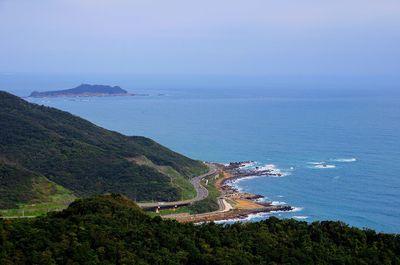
<point>83,90</point>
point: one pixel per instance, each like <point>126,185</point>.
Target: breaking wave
<point>257,167</point>
<point>323,166</point>
<point>301,217</point>
<point>320,165</point>
<point>259,216</point>
<point>278,203</point>
<point>344,160</point>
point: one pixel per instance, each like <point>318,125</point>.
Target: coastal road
<point>201,191</point>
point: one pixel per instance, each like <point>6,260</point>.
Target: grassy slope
<point>34,193</point>
<point>176,179</point>
<point>83,157</point>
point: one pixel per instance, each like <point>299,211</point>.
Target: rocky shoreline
<point>242,204</point>
<point>239,170</point>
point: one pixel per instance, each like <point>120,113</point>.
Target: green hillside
<point>113,230</point>
<point>18,185</point>
<point>83,157</point>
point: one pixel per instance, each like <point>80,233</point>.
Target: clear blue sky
<point>248,37</point>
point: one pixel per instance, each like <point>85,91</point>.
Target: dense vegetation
<point>26,193</point>
<point>113,230</point>
<point>81,156</point>
<point>14,178</point>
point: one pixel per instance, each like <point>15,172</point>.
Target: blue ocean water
<point>352,127</point>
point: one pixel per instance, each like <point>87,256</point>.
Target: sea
<point>335,139</point>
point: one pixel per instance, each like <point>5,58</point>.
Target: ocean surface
<point>336,140</point>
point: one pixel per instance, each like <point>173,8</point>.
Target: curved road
<point>201,191</point>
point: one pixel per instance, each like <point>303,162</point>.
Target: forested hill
<point>82,157</point>
<point>113,230</point>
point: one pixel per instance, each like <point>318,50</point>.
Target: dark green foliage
<point>209,204</point>
<point>113,230</point>
<point>15,185</point>
<point>83,157</point>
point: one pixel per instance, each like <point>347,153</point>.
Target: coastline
<point>234,204</point>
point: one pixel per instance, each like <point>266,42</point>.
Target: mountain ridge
<point>84,157</point>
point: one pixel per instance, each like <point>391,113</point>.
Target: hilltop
<point>112,230</point>
<point>83,90</point>
<point>68,152</point>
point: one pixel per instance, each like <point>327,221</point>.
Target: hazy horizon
<point>252,38</point>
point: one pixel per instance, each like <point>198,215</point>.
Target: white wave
<point>323,166</point>
<point>281,175</point>
<point>275,172</point>
<point>235,185</point>
<point>316,163</point>
<point>248,164</point>
<point>267,214</point>
<point>248,218</point>
<point>301,217</point>
<point>237,181</point>
<point>278,203</point>
<point>257,216</point>
<point>273,169</point>
<point>263,199</point>
<point>267,167</point>
<point>280,196</point>
<point>345,160</point>
<point>296,209</point>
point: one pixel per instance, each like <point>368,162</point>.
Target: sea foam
<point>260,216</point>
<point>301,217</point>
<point>320,165</point>
<point>344,160</point>
<point>323,166</point>
<point>315,163</point>
<point>278,203</point>
<point>256,167</point>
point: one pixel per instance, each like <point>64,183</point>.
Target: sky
<point>249,37</point>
